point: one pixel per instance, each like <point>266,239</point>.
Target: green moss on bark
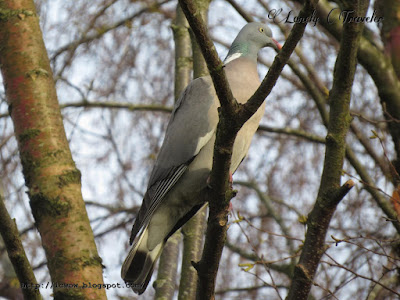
<point>69,177</point>
<point>45,206</point>
<point>28,134</point>
<point>91,261</point>
<point>6,14</point>
<point>69,294</point>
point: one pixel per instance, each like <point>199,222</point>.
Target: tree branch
<point>111,105</point>
<point>293,132</point>
<point>381,70</point>
<point>16,253</point>
<point>330,192</point>
<point>317,90</point>
<point>264,199</point>
<point>193,230</point>
<point>286,269</point>
<point>167,270</point>
<point>232,117</point>
<point>85,39</point>
<point>118,105</point>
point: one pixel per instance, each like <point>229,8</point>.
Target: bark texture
<point>53,181</point>
<point>330,192</point>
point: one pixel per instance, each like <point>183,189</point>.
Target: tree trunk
<point>53,181</point>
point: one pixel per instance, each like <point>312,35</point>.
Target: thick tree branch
<point>330,192</point>
<point>232,117</point>
<point>220,195</point>
<point>379,67</point>
<point>383,74</point>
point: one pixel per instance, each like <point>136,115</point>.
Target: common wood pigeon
<point>184,163</point>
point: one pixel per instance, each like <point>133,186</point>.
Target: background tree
<point>112,63</point>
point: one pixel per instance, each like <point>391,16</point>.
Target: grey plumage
<point>185,159</point>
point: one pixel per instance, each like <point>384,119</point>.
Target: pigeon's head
<point>250,40</point>
<point>257,34</point>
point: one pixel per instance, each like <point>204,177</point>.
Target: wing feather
<point>192,124</point>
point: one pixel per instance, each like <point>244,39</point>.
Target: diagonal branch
<point>17,255</point>
<point>330,192</point>
<point>379,67</point>
<point>232,117</point>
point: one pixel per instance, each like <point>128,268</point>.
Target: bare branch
<point>16,253</point>
<point>232,117</point>
<point>330,193</point>
<point>89,38</point>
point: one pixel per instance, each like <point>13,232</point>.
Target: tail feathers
<point>139,264</point>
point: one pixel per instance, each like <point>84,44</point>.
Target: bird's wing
<point>192,124</point>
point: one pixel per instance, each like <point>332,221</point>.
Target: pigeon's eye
<point>261,29</point>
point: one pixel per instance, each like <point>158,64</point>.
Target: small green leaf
<point>247,267</point>
<point>239,218</point>
<point>302,219</point>
<point>374,135</point>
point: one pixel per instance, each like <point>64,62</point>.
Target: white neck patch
<point>232,57</point>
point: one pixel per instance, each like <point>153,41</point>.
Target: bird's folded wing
<point>192,124</point>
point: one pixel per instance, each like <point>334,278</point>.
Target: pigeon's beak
<point>276,46</point>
